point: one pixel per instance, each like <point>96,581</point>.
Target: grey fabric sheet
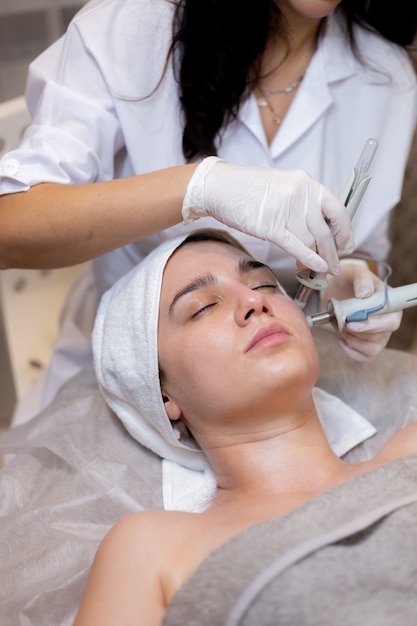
<point>348,556</point>
<point>75,471</point>
<point>383,390</point>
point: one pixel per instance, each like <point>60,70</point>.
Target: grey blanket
<point>348,556</point>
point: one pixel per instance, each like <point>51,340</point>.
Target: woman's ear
<point>173,411</point>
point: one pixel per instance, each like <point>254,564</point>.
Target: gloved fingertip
<point>321,267</point>
<point>354,354</point>
<point>363,291</point>
<point>362,294</point>
<point>348,247</point>
<point>347,250</point>
<point>315,262</point>
<point>351,245</point>
<point>334,268</point>
<point>356,327</point>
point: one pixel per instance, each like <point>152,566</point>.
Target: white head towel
<point>126,358</point>
<point>125,346</point>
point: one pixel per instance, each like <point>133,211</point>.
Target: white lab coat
<point>93,122</point>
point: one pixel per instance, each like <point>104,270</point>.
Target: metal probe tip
<point>320,318</point>
<point>302,296</point>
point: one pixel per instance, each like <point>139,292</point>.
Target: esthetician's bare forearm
<point>55,225</point>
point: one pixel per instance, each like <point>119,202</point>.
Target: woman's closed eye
<point>202,309</point>
<point>266,286</point>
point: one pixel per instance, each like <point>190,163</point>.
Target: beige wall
<point>26,28</point>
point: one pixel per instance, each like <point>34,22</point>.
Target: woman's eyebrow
<point>247,265</point>
<point>197,283</point>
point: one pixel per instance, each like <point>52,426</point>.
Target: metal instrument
<point>352,193</point>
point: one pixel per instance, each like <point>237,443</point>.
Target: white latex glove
<point>286,207</point>
<point>362,341</point>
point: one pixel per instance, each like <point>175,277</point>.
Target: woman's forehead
<point>202,255</point>
<point>217,258</point>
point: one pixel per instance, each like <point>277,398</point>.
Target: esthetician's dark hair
<point>217,48</point>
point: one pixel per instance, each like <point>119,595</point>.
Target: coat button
<point>10,167</point>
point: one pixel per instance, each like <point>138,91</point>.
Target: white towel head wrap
<point>125,347</point>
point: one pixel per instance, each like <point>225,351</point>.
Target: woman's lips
<point>268,336</point>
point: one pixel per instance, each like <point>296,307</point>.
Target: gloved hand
<point>362,341</point>
<point>286,207</point>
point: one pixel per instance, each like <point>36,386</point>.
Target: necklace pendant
<point>262,102</point>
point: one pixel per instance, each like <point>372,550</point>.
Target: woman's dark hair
<point>217,48</point>
<point>212,234</point>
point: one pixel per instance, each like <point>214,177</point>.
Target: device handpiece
<point>351,196</point>
<point>340,312</point>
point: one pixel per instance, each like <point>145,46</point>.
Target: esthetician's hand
<point>362,341</point>
<point>287,207</point>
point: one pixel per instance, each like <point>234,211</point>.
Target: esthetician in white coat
<point>107,107</point>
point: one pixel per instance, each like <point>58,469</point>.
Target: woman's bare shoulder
<point>136,528</point>
<point>402,444</point>
<point>135,560</point>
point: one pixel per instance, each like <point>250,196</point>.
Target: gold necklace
<point>264,101</point>
<point>289,89</point>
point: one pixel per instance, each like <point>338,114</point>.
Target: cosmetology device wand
<point>358,309</point>
<point>351,195</point>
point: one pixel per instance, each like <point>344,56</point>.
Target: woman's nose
<point>251,302</point>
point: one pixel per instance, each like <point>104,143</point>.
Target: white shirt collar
<point>345,428</point>
<point>333,61</point>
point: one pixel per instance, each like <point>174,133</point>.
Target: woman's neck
<point>302,36</point>
<point>281,72</point>
<point>294,458</point>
